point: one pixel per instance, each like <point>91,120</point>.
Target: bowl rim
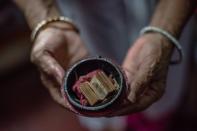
<point>93,108</point>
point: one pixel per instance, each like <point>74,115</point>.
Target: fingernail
<point>132,97</point>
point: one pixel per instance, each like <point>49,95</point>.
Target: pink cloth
<point>139,122</point>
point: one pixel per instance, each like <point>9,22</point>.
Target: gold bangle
<point>44,23</point>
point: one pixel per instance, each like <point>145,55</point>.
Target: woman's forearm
<point>37,10</point>
<point>172,15</point>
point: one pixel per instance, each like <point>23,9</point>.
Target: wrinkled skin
<point>146,66</point>
<point>54,50</point>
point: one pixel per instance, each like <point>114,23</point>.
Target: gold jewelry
<point>44,23</point>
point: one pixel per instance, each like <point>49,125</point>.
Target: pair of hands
<point>145,65</point>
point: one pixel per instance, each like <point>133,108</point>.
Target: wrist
<point>173,30</point>
<point>55,22</point>
<point>158,39</point>
<point>36,11</point>
<point>61,26</point>
<point>154,41</point>
<point>170,38</point>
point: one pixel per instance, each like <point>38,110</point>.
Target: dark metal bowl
<point>85,66</point>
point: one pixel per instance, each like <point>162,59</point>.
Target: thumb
<point>141,79</point>
<point>51,67</point>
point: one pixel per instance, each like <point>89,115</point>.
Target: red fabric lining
<point>76,86</point>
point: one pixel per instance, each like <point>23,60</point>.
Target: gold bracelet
<point>44,23</point>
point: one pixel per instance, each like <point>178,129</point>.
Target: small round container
<point>85,66</point>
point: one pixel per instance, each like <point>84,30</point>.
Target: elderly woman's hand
<point>54,49</point>
<point>146,66</point>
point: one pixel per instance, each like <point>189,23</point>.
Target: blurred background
<point>25,105</point>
